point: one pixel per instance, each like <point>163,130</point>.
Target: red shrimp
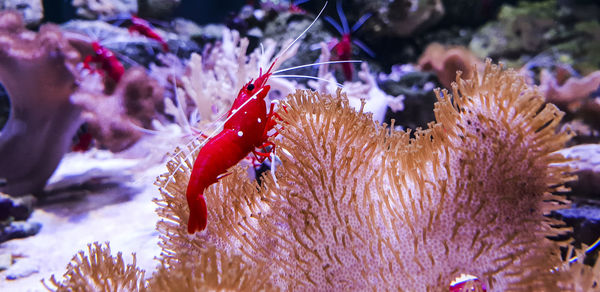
<point>106,60</point>
<point>144,28</point>
<point>246,129</point>
<point>343,52</point>
<point>342,49</point>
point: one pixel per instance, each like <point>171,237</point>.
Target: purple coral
<point>36,70</point>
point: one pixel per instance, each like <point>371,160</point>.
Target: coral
<point>214,79</point>
<point>365,88</point>
<point>412,216</point>
<point>356,205</point>
<point>571,91</point>
<point>213,272</point>
<point>115,120</point>
<point>99,270</point>
<point>37,71</point>
<point>446,61</point>
<point>577,276</point>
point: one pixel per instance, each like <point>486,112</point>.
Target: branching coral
<point>356,205</point>
<point>365,88</point>
<point>37,71</point>
<point>213,80</point>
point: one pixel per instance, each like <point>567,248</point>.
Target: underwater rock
<point>157,9</point>
<point>398,18</point>
<point>526,28</point>
<point>18,229</point>
<point>188,29</point>
<point>468,12</point>
<point>132,48</point>
<point>15,208</point>
<point>416,87</point>
<point>586,165</point>
<point>568,31</point>
<point>137,49</point>
<point>31,10</point>
<point>287,26</point>
<point>585,220</point>
<point>5,261</point>
<point>94,9</point>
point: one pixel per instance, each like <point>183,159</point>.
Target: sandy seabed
<point>92,196</point>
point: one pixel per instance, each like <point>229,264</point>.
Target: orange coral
<point>445,61</point>
<point>358,206</point>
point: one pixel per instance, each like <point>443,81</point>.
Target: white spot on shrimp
<point>259,120</point>
<point>245,112</point>
<point>240,133</point>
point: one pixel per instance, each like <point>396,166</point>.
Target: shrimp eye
<point>250,87</point>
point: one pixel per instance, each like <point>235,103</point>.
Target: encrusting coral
<point>446,60</point>
<point>357,206</point>
<point>573,89</point>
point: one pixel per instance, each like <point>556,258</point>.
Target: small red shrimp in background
<point>106,60</point>
<point>342,49</point>
<point>144,28</point>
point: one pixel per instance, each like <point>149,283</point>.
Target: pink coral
<point>37,71</point>
<point>446,61</point>
<point>115,119</point>
<point>573,90</point>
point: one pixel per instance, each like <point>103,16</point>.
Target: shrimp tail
<point>198,214</point>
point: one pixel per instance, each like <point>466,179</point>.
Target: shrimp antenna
<point>315,64</point>
<point>309,77</point>
<point>302,34</point>
<point>589,249</point>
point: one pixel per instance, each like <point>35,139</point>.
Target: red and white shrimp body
<point>106,60</point>
<point>246,129</point>
<point>343,52</point>
<point>144,28</point>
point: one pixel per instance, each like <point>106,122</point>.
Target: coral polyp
<point>357,205</point>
